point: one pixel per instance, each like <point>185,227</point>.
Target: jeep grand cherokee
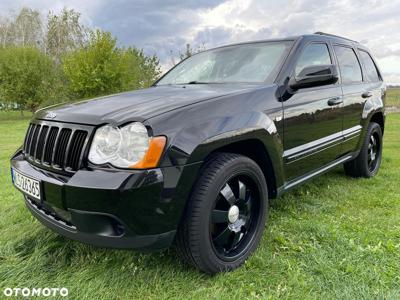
<point>194,159</point>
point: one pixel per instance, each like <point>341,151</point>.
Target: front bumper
<point>113,209</point>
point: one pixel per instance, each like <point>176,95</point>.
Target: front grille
<point>56,146</point>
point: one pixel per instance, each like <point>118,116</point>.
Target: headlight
<point>126,147</point>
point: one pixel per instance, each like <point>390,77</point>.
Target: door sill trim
<point>293,183</point>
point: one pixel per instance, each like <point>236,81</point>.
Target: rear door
<point>375,88</point>
<point>312,124</point>
<point>355,92</point>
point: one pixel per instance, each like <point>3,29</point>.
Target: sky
<point>164,27</point>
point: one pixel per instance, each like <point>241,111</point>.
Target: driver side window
<point>313,55</point>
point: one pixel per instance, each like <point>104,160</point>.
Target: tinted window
<point>313,54</point>
<point>370,70</point>
<point>350,69</point>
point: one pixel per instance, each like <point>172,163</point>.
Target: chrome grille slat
<point>40,143</point>
<point>28,137</point>
<point>46,138</point>
<point>61,147</point>
<point>49,150</point>
<point>33,142</point>
<point>36,139</point>
<point>77,141</point>
<point>68,147</point>
<point>85,145</point>
<point>53,150</point>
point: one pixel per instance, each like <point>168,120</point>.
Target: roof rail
<point>333,35</point>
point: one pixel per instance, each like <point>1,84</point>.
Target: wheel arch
<point>379,118</point>
<point>262,145</point>
<point>255,150</point>
<point>374,111</point>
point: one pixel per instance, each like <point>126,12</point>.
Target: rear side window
<point>371,73</point>
<point>313,54</point>
<point>350,69</point>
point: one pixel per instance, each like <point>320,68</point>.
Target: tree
<point>140,71</point>
<point>64,33</point>
<point>23,29</point>
<point>96,69</point>
<point>27,77</point>
<point>189,51</point>
<point>43,66</point>
<point>27,28</point>
<point>101,68</point>
<point>5,31</point>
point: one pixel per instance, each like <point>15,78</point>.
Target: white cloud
<point>375,23</point>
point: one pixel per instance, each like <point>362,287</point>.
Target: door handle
<point>366,94</point>
<point>335,101</point>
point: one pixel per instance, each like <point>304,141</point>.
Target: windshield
<point>254,63</point>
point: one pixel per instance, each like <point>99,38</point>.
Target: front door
<point>312,119</point>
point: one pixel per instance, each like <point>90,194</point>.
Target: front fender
<point>194,143</point>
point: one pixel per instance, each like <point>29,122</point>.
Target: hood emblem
<point>50,115</point>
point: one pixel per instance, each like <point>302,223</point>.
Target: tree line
<point>53,59</point>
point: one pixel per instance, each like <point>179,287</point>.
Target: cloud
<point>374,23</point>
<point>163,27</point>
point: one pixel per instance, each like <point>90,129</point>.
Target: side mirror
<point>317,75</point>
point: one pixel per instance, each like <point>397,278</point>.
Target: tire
<point>225,216</point>
<point>368,161</point>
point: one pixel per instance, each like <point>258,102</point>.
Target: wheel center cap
<point>233,214</point>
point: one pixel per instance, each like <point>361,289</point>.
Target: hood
<point>138,105</point>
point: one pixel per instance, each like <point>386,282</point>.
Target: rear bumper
<point>114,209</point>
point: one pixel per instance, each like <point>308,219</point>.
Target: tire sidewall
<point>239,166</point>
<point>372,129</point>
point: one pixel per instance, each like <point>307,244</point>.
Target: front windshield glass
<point>254,63</point>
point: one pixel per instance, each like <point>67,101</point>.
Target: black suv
<point>194,159</point>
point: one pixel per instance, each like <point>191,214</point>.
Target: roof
<point>315,36</point>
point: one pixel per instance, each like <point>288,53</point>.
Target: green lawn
<point>335,237</point>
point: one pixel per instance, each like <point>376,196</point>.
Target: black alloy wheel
<point>368,161</point>
<point>233,218</point>
<point>226,214</point>
<point>374,150</point>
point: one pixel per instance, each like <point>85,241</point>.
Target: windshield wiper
<point>192,82</point>
<point>197,82</point>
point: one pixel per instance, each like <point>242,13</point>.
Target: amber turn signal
<point>153,154</point>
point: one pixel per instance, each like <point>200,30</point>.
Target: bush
<point>95,69</point>
<point>28,77</point>
<point>139,70</point>
<point>101,68</point>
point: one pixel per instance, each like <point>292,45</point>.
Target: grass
<point>335,237</point>
<point>14,115</point>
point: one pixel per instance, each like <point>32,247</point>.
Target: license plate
<point>27,185</point>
